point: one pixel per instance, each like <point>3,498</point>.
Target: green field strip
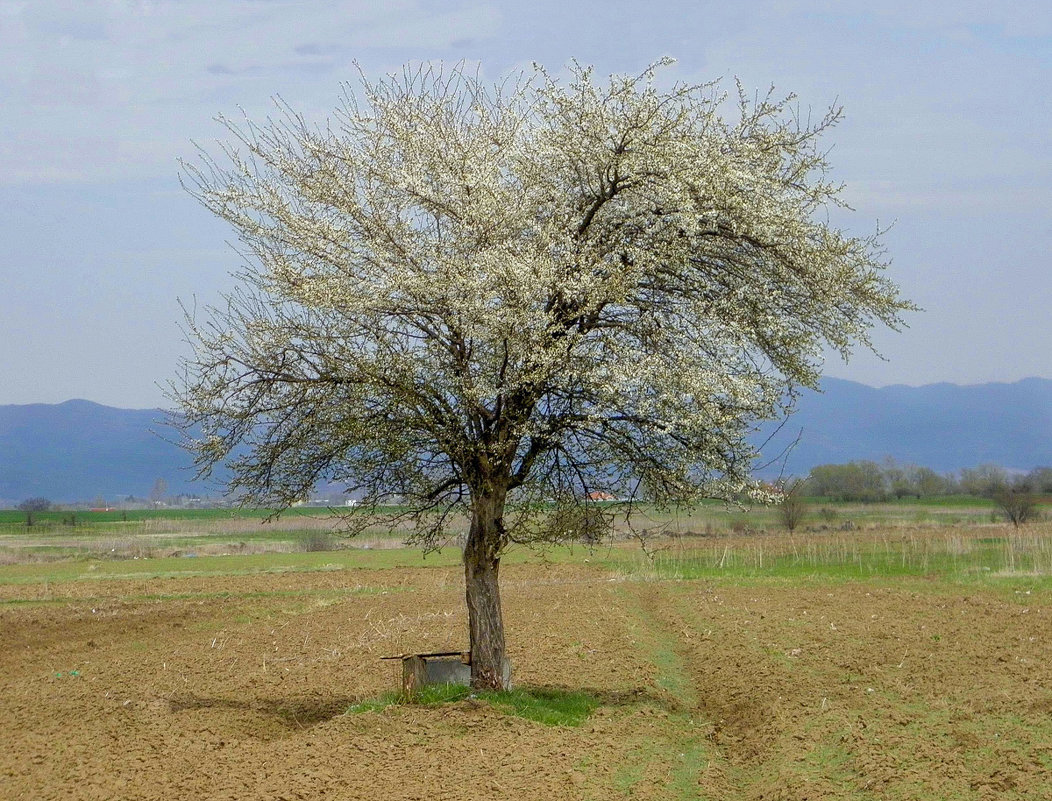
<point>684,749</point>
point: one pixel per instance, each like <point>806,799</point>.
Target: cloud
<point>946,132</point>
<point>1021,18</point>
<point>80,21</point>
<point>316,49</point>
<point>965,199</point>
<point>938,89</point>
<point>101,64</point>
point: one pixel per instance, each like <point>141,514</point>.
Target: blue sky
<point>947,135</point>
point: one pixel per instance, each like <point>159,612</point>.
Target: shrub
<point>587,523</point>
<point>314,541</point>
<point>792,509</point>
<point>35,505</point>
<point>1017,505</point>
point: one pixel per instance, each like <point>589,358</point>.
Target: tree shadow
<point>298,713</point>
<point>305,713</point>
<point>628,698</point>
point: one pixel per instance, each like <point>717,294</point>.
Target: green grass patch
<point>87,517</point>
<point>944,502</point>
<point>229,565</point>
<point>687,766</point>
<point>319,595</point>
<point>268,562</point>
<point>630,773</point>
<point>848,556</point>
<point>551,707</point>
<point>709,517</point>
<point>430,695</point>
<point>659,646</point>
<point>548,706</point>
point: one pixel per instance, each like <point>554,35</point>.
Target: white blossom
<point>533,291</point>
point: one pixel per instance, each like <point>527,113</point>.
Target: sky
<point>946,137</point>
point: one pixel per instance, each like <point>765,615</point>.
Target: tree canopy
<point>466,295</point>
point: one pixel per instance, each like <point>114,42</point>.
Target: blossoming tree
<point>475,297</point>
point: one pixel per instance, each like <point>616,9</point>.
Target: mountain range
<point>941,426</point>
<point>79,450</point>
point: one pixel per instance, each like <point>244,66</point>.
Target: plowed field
<point>239,688</point>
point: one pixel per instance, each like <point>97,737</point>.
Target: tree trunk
<point>481,568</point>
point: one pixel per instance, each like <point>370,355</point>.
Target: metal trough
<point>441,667</point>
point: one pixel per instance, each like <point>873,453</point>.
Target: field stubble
<point>742,668</point>
<point>139,534</point>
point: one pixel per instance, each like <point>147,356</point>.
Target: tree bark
<point>481,569</point>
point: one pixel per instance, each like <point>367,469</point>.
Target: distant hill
<point>941,426</point>
<point>80,450</point>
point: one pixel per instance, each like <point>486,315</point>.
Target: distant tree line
<point>34,505</point>
<point>1014,493</point>
<point>872,481</point>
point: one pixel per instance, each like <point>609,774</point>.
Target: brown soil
<point>237,688</point>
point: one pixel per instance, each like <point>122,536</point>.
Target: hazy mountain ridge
<point>79,450</point>
<point>942,426</point>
